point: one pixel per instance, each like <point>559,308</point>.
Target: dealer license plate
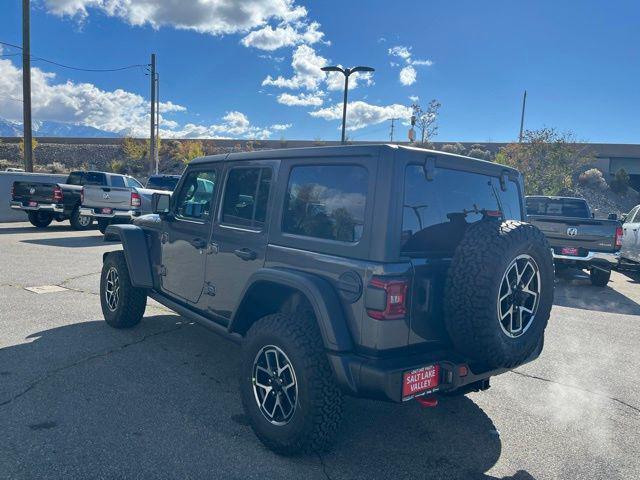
<point>569,251</point>
<point>419,381</point>
<point>33,204</point>
<point>107,211</point>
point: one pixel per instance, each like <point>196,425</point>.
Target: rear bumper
<point>382,379</point>
<point>47,207</point>
<point>122,214</point>
<point>609,259</point>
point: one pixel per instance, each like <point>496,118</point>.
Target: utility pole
<point>26,87</point>
<point>524,103</point>
<point>157,151</point>
<point>391,133</point>
<point>152,144</point>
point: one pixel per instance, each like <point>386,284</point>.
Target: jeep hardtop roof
<point>371,150</point>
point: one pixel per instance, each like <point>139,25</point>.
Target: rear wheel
<point>122,304</point>
<point>40,219</point>
<point>599,277</point>
<point>79,222</point>
<point>287,386</point>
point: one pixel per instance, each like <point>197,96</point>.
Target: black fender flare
<point>320,294</point>
<point>136,253</point>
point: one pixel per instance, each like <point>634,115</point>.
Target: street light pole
<point>26,87</point>
<point>346,72</point>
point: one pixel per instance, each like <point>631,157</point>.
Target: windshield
<point>436,213</point>
<point>162,183</point>
<point>557,207</point>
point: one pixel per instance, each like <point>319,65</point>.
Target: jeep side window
<point>195,198</point>
<point>326,201</point>
<point>436,213</point>
<point>245,197</point>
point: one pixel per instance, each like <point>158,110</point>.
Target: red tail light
<point>57,195</point>
<point>136,201</point>
<point>13,191</point>
<point>619,237</point>
<point>81,195</point>
<point>395,298</point>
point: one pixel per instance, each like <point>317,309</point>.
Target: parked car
<point>577,238</point>
<point>630,249</point>
<point>118,199</point>
<point>162,182</point>
<point>378,271</point>
<point>44,202</point>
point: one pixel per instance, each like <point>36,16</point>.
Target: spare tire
<point>499,292</point>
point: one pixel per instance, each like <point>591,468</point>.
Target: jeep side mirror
<point>161,203</point>
<point>613,216</point>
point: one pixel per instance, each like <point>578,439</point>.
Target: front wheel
<point>79,222</point>
<point>122,304</point>
<point>40,219</point>
<point>599,277</point>
<point>287,386</point>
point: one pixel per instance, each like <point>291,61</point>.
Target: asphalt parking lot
<point>81,400</point>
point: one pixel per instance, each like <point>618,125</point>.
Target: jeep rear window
<point>557,207</point>
<point>326,201</point>
<point>436,213</point>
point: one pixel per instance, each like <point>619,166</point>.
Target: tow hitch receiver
<point>427,401</point>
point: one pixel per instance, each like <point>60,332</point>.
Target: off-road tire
<point>132,301</point>
<point>40,219</point>
<point>319,403</point>
<point>103,224</point>
<point>472,290</point>
<point>75,221</point>
<point>599,278</point>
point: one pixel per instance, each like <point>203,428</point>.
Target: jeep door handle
<point>199,243</point>
<point>246,254</point>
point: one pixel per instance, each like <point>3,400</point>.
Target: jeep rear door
<point>185,234</point>
<point>239,234</point>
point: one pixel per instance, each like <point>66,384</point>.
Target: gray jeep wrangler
<point>377,271</point>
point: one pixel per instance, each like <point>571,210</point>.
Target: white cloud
<point>414,98</point>
<point>278,127</point>
<point>117,111</point>
<point>362,114</point>
<point>301,100</point>
<point>408,75</point>
<point>215,17</point>
<point>284,35</point>
<point>307,75</point>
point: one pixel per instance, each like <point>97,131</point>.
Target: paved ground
<point>81,400</point>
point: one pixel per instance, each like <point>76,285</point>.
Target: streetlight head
<point>332,69</point>
<point>362,69</point>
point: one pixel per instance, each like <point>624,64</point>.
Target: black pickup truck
<point>577,238</point>
<point>44,202</point>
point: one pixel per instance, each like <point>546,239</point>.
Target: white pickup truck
<point>119,199</point>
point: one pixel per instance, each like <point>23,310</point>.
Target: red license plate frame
<point>420,381</point>
<point>573,251</point>
<point>33,204</point>
<point>106,211</point>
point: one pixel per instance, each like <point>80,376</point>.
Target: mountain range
<point>48,128</point>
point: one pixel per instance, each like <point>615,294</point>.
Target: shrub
<point>593,178</point>
<point>118,166</point>
<point>456,148</point>
<point>480,153</point>
<point>620,183</point>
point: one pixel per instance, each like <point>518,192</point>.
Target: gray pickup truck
<point>577,238</point>
<point>119,199</point>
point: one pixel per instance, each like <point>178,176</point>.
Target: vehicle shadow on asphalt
<point>574,289</point>
<point>54,227</point>
<point>90,240</point>
<point>163,397</point>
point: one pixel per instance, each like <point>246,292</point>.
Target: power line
<point>81,69</point>
<point>11,98</point>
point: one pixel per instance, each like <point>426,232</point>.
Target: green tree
<point>188,150</point>
<point>549,160</point>
<point>34,144</point>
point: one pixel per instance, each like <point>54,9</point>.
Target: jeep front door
<point>186,235</point>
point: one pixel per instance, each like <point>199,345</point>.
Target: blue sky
<point>578,61</point>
